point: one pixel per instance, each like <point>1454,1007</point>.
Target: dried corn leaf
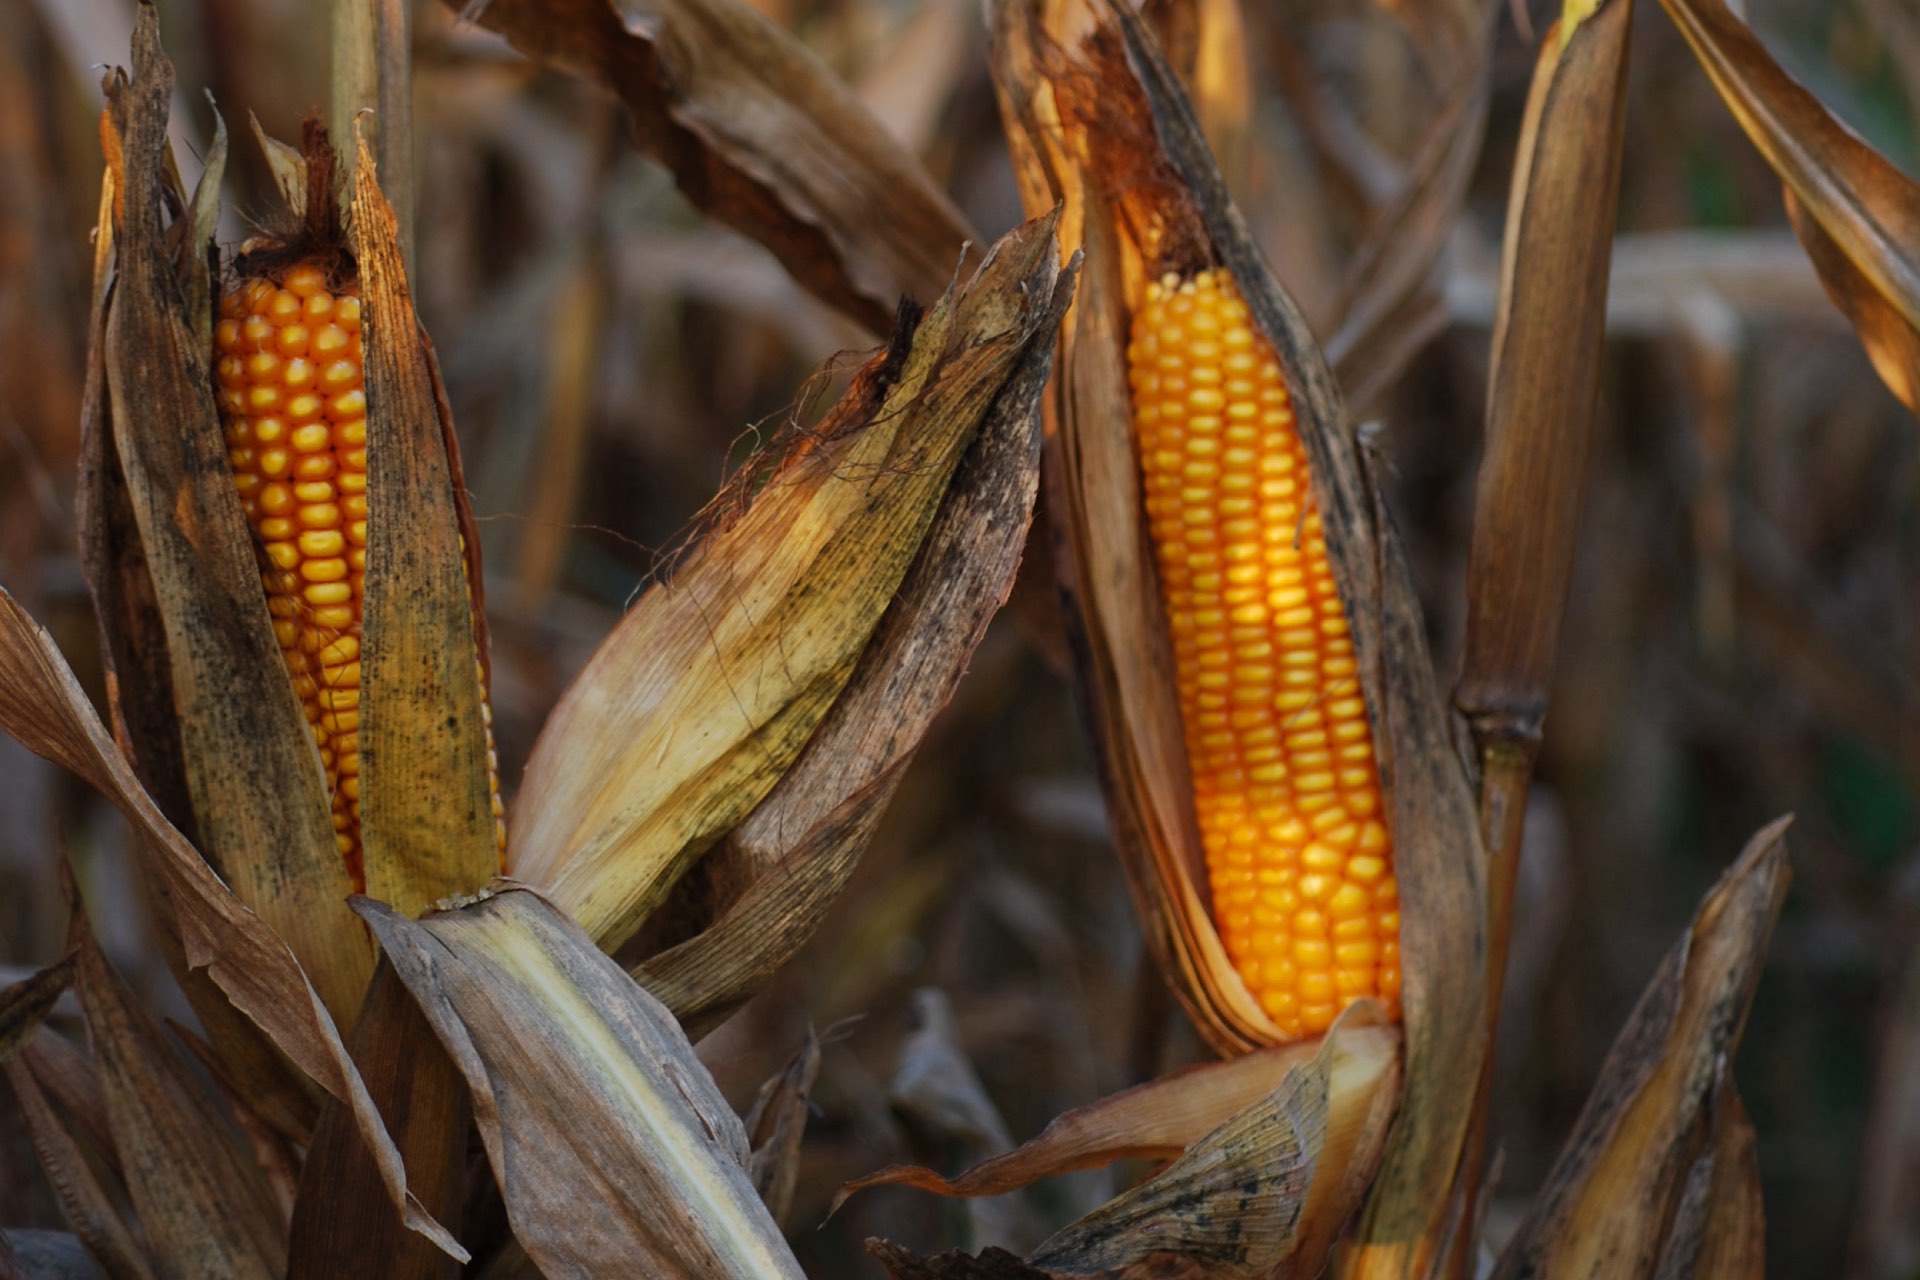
<point>776,1124</point>
<point>426,815</point>
<point>1891,341</point>
<point>42,705</point>
<point>1732,1239</point>
<point>706,693</point>
<point>613,1148</point>
<point>1153,1121</point>
<point>761,136</point>
<point>1867,212</point>
<point>90,1208</point>
<point>1545,380</point>
<point>1266,1192</point>
<point>259,797</point>
<point>343,1223</point>
<point>797,848</point>
<point>24,1005</point>
<point>1617,1200</point>
<point>203,1205</point>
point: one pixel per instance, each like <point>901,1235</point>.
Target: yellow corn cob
<point>291,387</point>
<point>1284,778</point>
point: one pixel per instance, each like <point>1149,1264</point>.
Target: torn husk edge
<point>1130,104</point>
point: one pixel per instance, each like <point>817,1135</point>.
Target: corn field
<point>959,640</point>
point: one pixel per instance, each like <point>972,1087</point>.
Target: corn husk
<point>705,696</point>
<point>616,1151</point>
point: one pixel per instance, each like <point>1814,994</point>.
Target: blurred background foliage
<point>1742,637</point>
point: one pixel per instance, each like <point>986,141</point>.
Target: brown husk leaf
<point>710,688</point>
<point>24,1005</point>
<point>89,1207</point>
<point>258,795</point>
<point>795,851</point>
<point>614,1150</point>
<point>343,1221</point>
<point>426,819</point>
<point>42,705</point>
<point>1658,1165</point>
<point>761,137</point>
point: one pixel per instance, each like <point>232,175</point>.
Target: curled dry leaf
<point>760,136</point>
<point>1658,1164</point>
<point>614,1150</point>
<point>1104,126</point>
<point>426,817</point>
<point>1272,1154</point>
<point>204,1207</point>
<point>708,691</point>
<point>1153,1121</point>
<point>88,1206</point>
<point>42,705</point>
<point>776,1124</point>
<point>1856,213</point>
<point>24,1005</point>
<point>795,851</point>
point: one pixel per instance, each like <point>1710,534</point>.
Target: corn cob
<point>1285,783</point>
<point>291,387</point>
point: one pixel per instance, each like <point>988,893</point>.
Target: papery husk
<point>1106,128</point>
<point>1272,1152</point>
<point>615,1152</point>
<point>1657,1178</point>
<point>24,1005</point>
<point>426,818</point>
<point>706,694</point>
<point>258,795</point>
<point>763,891</point>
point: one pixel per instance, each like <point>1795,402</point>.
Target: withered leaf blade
<point>797,849</point>
<point>760,136</point>
<point>204,1206</point>
<point>426,817</point>
<point>1865,205</point>
<point>1265,1193</point>
<point>1732,1234</point>
<point>259,797</point>
<point>708,690</point>
<point>43,706</point>
<point>1614,1199</point>
<point>24,1005</point>
<point>1153,1121</point>
<point>776,1125</point>
<point>1545,381</point>
<point>1891,341</point>
<point>613,1148</point>
<point>90,1209</point>
<point>343,1222</point>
